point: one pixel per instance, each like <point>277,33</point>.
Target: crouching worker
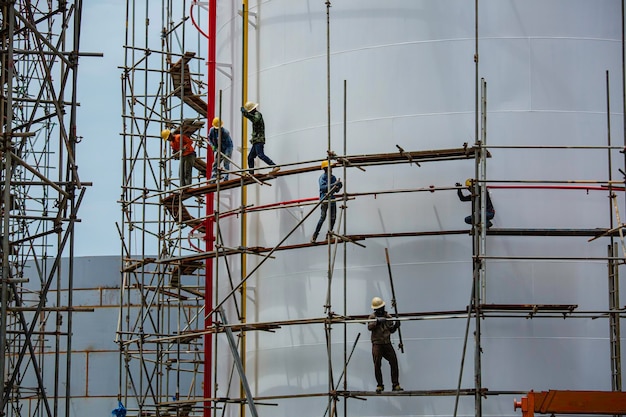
<point>489,208</point>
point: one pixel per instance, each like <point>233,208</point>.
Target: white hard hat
<point>377,303</point>
<point>250,105</point>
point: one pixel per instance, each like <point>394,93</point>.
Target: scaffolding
<point>174,253</point>
<point>41,194</point>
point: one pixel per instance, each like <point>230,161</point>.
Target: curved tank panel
<point>410,81</point>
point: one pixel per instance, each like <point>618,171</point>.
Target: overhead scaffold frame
<point>168,327</point>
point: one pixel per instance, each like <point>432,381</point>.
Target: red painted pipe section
<point>559,187</point>
<point>272,205</point>
<point>210,234</point>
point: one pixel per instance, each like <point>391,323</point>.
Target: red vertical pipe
<point>210,235</point>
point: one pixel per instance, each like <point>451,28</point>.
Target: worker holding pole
<point>382,326</point>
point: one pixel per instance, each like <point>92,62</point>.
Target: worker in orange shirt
<point>183,146</point>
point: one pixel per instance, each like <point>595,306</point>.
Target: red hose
<point>193,21</point>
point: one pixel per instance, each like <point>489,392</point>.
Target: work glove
<point>243,110</point>
<point>381,320</point>
<point>458,184</point>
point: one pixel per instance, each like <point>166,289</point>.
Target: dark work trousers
<point>333,216</point>
<point>385,351</point>
<point>186,164</point>
<point>490,215</point>
<point>257,150</point>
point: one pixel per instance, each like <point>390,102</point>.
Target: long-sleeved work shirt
<point>381,332</point>
<point>187,144</point>
<point>323,181</point>
<point>258,125</point>
<point>469,198</point>
<point>214,135</point>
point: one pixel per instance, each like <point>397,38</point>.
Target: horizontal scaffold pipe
<point>353,394</point>
<point>349,161</point>
<point>360,237</point>
<point>530,311</point>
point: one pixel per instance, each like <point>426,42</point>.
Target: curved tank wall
<point>410,76</point>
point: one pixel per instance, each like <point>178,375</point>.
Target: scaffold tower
<point>190,251</point>
<point>41,195</point>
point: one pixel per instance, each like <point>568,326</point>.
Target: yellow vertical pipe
<point>244,190</point>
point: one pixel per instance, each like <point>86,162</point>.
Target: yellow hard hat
<point>217,122</point>
<point>324,164</point>
<point>165,134</point>
<point>468,182</point>
<point>250,105</point>
<point>377,303</point>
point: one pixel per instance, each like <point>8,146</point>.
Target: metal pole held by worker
<point>393,300</point>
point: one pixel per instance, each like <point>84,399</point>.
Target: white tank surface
<point>411,81</point>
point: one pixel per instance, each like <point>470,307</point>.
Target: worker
<point>325,185</point>
<point>182,145</point>
<point>381,328</point>
<point>249,111</point>
<point>219,139</point>
<point>490,211</point>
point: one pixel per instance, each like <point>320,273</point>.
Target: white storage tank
<point>410,77</point>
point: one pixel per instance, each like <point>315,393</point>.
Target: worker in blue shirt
<point>218,134</point>
<point>334,185</point>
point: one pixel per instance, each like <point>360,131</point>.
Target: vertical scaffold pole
<point>613,266</point>
<point>244,189</point>
<point>327,325</point>
<point>393,298</point>
<point>477,261</point>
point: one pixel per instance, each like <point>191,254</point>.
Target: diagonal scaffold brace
<point>393,299</point>
<point>242,375</point>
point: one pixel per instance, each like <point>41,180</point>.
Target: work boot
<point>379,389</point>
<point>397,387</point>
<point>313,238</point>
<point>275,169</point>
<point>489,224</point>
